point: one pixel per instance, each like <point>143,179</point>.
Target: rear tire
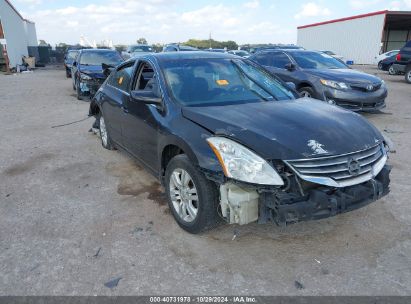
<point>192,198</point>
<point>106,141</point>
<point>306,92</point>
<point>380,65</point>
<point>408,74</point>
<point>391,70</point>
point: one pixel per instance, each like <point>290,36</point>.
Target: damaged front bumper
<point>90,86</point>
<point>243,205</point>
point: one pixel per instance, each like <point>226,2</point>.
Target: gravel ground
<point>74,217</point>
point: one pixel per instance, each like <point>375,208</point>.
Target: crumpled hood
<point>344,75</point>
<point>294,129</point>
<point>94,71</point>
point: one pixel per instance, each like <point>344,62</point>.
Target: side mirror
<point>290,66</point>
<point>147,97</point>
<point>291,85</point>
<point>74,63</point>
<point>107,69</point>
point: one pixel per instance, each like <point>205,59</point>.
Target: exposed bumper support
<point>287,208</point>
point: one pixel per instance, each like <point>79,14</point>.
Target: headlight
<point>382,83</point>
<point>85,77</point>
<point>241,164</point>
<point>334,84</point>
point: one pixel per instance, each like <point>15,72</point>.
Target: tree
<point>157,47</point>
<point>120,47</point>
<point>142,41</point>
<point>206,43</point>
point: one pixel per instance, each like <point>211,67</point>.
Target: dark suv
<point>403,61</point>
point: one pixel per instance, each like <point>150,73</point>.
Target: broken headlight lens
<point>242,164</point>
<point>85,77</point>
<point>334,84</point>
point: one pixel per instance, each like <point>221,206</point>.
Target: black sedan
<point>387,65</point>
<point>323,77</point>
<point>231,142</point>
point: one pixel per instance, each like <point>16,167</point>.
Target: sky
<point>164,21</point>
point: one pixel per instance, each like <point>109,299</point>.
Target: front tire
<point>78,91</point>
<point>192,198</point>
<point>306,92</point>
<point>408,74</point>
<point>380,65</point>
<point>106,141</point>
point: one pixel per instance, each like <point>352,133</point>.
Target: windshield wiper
<point>244,74</point>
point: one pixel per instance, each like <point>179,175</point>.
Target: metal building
<point>358,38</point>
<point>17,35</point>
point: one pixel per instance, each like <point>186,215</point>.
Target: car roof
<point>286,51</point>
<point>191,55</point>
<point>97,50</point>
<point>132,45</point>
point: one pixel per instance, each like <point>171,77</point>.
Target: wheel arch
<point>172,148</point>
<point>304,84</point>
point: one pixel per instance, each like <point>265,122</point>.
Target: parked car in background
<point>332,54</point>
<point>178,48</point>
<point>403,62</point>
<point>87,70</point>
<point>136,50</point>
<point>240,53</point>
<point>216,50</point>
<point>387,65</point>
<point>323,77</point>
<point>383,56</point>
<point>69,58</point>
<point>186,118</point>
<point>276,47</point>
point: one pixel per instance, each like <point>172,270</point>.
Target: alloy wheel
<point>305,94</point>
<point>183,194</point>
<point>392,71</point>
<point>409,76</point>
<point>103,131</point>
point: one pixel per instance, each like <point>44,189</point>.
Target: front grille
<point>342,170</point>
<point>364,87</point>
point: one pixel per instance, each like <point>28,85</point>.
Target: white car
<point>381,57</point>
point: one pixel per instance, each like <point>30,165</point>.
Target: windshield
<point>97,58</point>
<point>221,82</point>
<point>140,48</point>
<point>318,61</point>
<point>72,55</point>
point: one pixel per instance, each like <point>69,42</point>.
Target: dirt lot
<point>74,216</point>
